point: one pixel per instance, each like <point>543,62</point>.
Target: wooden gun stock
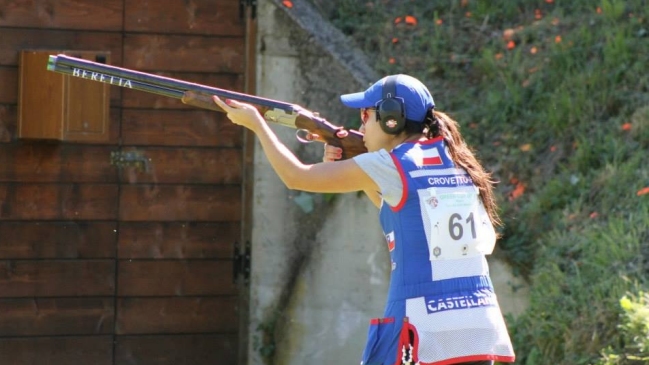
<point>350,141</point>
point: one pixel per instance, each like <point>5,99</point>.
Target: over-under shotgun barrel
<point>290,115</point>
<point>165,86</point>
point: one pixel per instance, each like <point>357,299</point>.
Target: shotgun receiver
<point>200,96</point>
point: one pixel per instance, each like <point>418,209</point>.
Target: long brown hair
<point>439,124</point>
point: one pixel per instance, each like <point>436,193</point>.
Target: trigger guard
<point>301,134</point>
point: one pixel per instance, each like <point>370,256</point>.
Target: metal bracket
<point>241,262</point>
<point>130,159</point>
<point>243,4</point>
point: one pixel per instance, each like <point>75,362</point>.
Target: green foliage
<point>581,273</point>
<point>553,97</point>
<point>633,346</point>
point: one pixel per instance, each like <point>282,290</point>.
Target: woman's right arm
<point>333,153</point>
<point>340,177</point>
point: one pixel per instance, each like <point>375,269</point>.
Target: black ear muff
<point>390,111</point>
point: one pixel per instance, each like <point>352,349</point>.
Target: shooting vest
<point>438,236</point>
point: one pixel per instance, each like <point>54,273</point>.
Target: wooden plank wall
<point>100,265</point>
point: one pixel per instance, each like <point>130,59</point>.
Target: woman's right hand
<point>332,153</point>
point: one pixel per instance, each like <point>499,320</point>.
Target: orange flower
<point>397,20</point>
<point>553,148</point>
<point>287,3</point>
<point>508,34</point>
<point>594,215</point>
<point>538,14</point>
<point>511,45</point>
<point>599,10</point>
<point>517,192</point>
<point>439,22</point>
<point>626,126</point>
<point>549,1</point>
<point>643,191</point>
<point>526,147</point>
<point>411,20</point>
<point>392,61</point>
<point>557,39</point>
<point>395,40</point>
<point>533,50</point>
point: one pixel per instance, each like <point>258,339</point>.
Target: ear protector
<point>390,111</point>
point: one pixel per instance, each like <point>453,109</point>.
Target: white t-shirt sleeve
<point>379,167</point>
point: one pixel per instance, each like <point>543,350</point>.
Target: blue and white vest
<point>438,236</point>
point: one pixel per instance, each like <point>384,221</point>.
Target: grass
<point>554,96</point>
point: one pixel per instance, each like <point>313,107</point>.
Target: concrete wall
<point>320,269</point>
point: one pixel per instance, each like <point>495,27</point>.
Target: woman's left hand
<point>241,113</point>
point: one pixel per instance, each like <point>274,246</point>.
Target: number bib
<point>457,224</point>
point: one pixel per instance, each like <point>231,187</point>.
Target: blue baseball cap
<point>416,98</point>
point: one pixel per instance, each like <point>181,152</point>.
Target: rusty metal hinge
<point>252,4</point>
<point>241,262</point>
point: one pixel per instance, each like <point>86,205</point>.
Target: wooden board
<point>73,350</point>
<point>57,240</point>
<point>186,166</point>
<point>8,118</point>
<point>176,315</point>
<point>92,164</point>
<point>179,203</point>
<point>156,52</point>
<point>205,17</point>
<point>57,278</point>
<point>63,14</point>
<point>202,349</point>
<point>193,127</point>
<point>56,316</point>
<point>9,82</point>
<point>16,39</point>
<point>169,240</point>
<point>51,162</point>
<point>58,201</point>
<point>174,278</point>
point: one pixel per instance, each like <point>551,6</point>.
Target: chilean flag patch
<point>430,157</point>
<point>390,239</point>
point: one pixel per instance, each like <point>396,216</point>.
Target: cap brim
<point>356,100</point>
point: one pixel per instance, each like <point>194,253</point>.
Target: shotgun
<point>306,122</point>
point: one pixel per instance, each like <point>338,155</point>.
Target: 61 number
<point>455,228</point>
